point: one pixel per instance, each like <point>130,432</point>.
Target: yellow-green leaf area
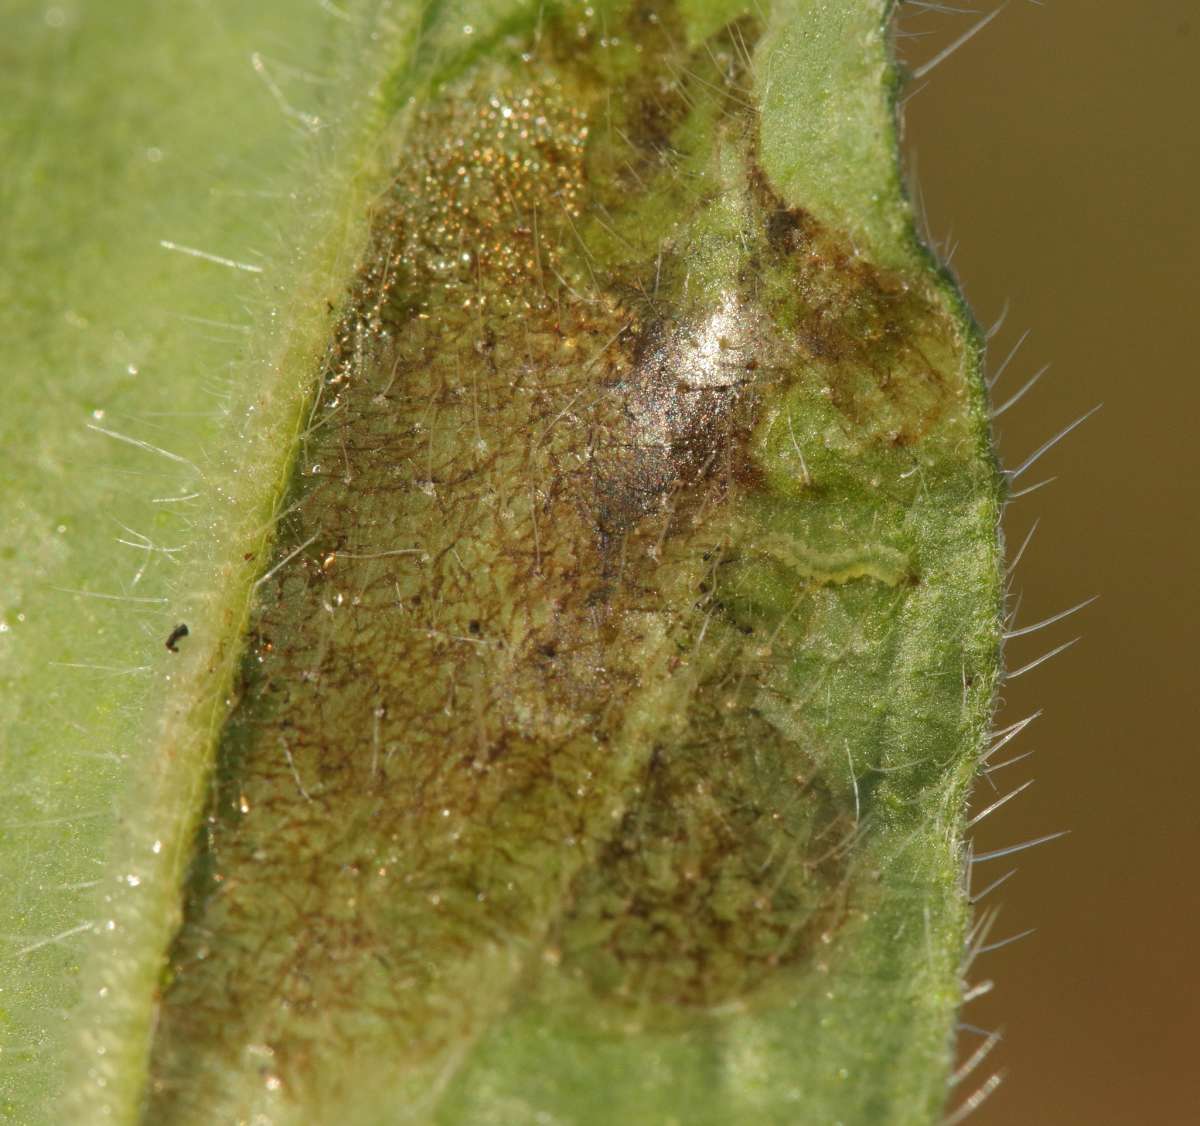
<point>826,85</point>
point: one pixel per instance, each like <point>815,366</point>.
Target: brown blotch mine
<point>502,707</point>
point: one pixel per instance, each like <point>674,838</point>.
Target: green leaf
<point>575,479</point>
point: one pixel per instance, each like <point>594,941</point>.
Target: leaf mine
<point>613,655</point>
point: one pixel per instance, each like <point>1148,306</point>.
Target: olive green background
<point>1060,149</point>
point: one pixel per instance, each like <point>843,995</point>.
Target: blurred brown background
<point>1060,150</point>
